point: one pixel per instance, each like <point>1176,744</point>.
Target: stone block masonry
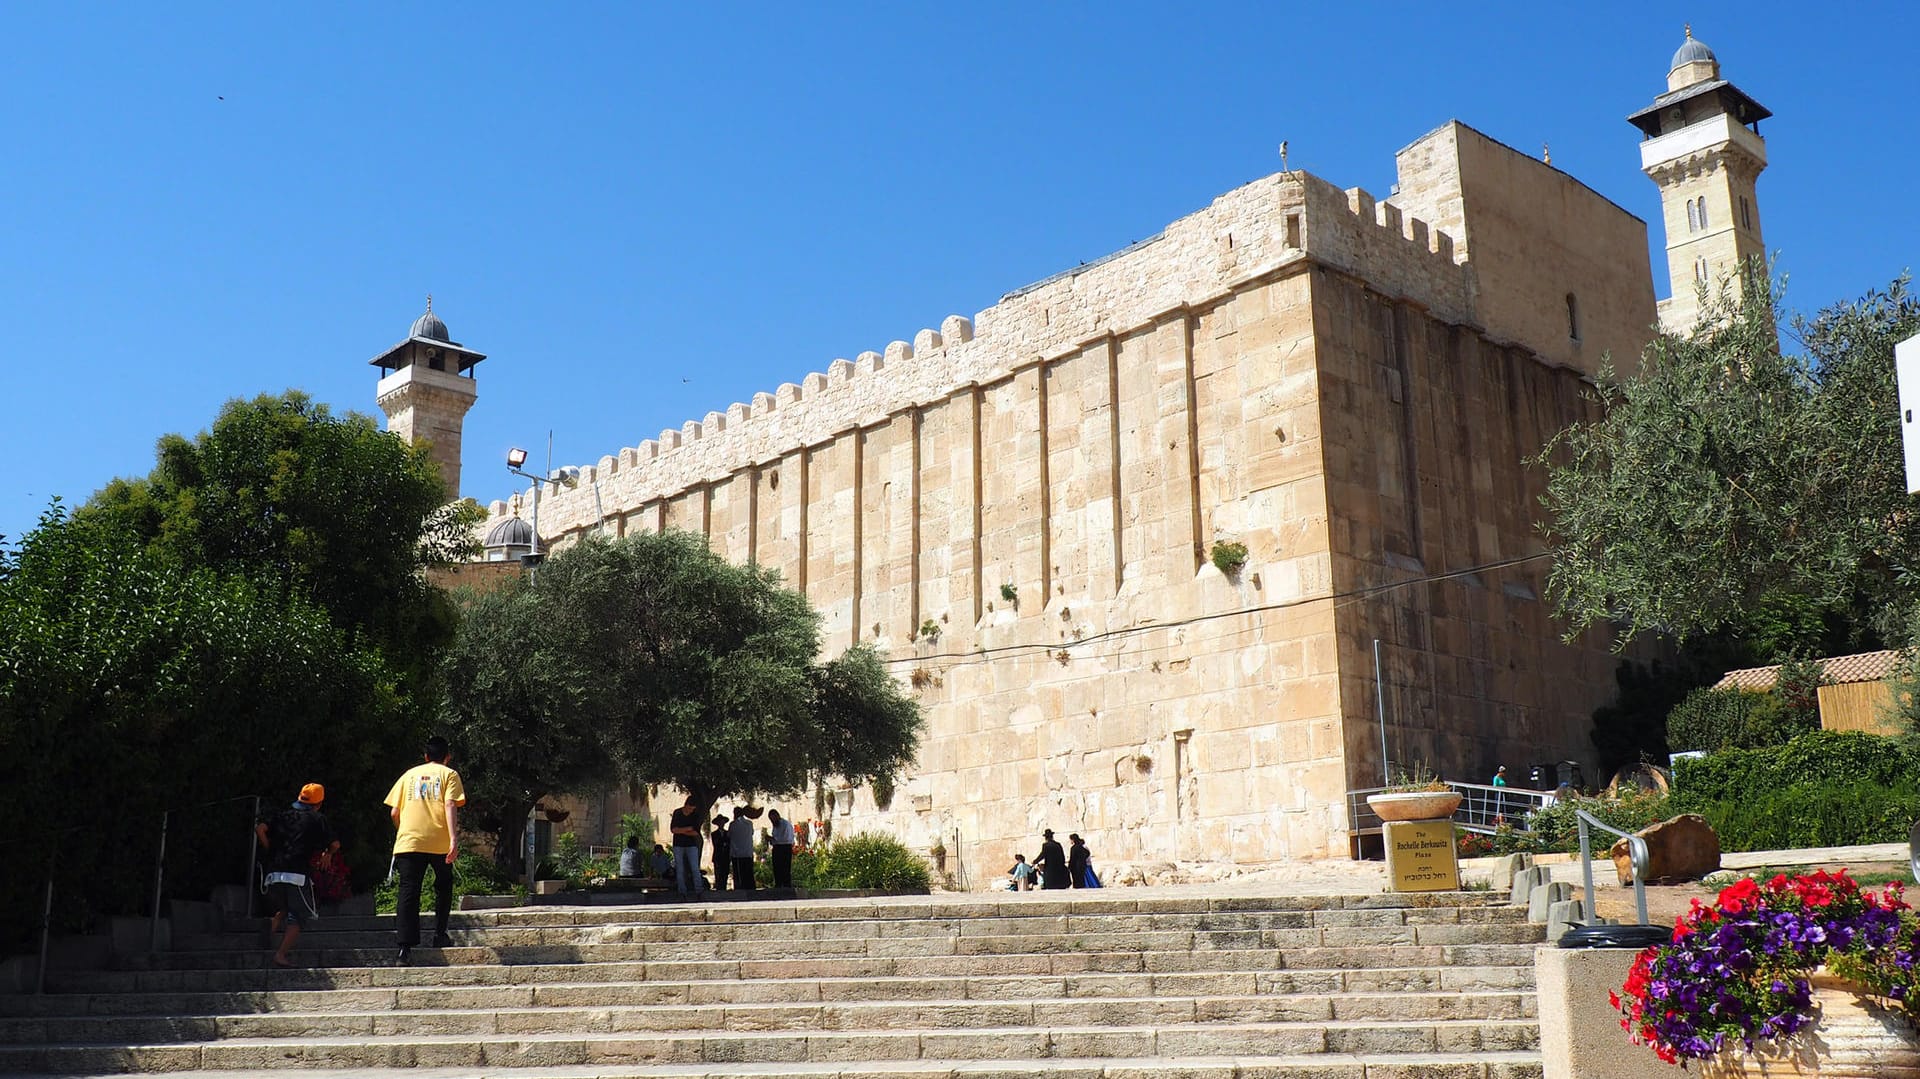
<point>1019,511</point>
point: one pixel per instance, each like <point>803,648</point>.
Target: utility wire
<point>949,660</point>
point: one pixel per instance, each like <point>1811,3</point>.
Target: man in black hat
<point>1052,861</point>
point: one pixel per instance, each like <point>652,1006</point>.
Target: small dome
<point>430,326</point>
<point>1694,51</point>
<point>512,532</point>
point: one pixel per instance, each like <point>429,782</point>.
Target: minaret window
<point>1703,211</point>
<point>1746,213</point>
<point>1573,317</point>
<point>1693,217</point>
<point>1700,270</point>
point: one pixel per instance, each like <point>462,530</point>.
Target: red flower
<point>1735,897</point>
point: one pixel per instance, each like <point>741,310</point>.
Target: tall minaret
<point>428,391</point>
<point>1703,147</point>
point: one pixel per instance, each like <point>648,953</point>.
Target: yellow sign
<point>1421,857</point>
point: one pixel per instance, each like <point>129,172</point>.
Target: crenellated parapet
<point>1255,231</point>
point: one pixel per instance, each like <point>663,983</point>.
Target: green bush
<point>1815,815</point>
<point>472,875</point>
<point>1815,759</point>
<point>1556,828</point>
<point>866,861</point>
<point>1714,719</point>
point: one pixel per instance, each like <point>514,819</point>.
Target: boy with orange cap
<point>292,837</point>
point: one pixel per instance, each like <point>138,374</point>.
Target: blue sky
<point>642,213</point>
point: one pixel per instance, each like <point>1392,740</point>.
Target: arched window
<point>1746,213</point>
<point>1573,317</point>
<point>1703,211</point>
<point>1693,220</point>
<point>1700,270</point>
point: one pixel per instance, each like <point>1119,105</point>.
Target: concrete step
<point>610,1017</point>
<point>779,991</point>
<point>455,966</point>
<point>644,927</point>
<point>401,1048</point>
<point>610,945</point>
<point>1029,904</point>
<point>1494,1065</point>
<point>1001,934</point>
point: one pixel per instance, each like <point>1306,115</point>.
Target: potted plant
<point>1415,795</point>
<point>1794,976</point>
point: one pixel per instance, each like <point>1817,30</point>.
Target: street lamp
<point>567,477</point>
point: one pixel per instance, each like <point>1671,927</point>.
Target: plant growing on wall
<point>1228,556</point>
<point>1011,594</point>
<point>930,630</point>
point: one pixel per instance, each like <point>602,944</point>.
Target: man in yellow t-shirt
<point>425,805</point>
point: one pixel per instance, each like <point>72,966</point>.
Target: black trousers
<point>412,867</point>
<point>743,874</point>
<point>720,865</point>
<point>782,865</point>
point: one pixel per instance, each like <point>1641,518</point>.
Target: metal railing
<point>1636,858</point>
<point>1482,808</point>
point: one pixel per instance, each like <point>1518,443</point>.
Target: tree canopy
<point>249,617</point>
<point>674,666</point>
<point>1731,487</point>
<point>324,507</point>
<point>130,685</point>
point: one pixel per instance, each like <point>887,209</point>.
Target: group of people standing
<point>1054,867</point>
<point>733,841</point>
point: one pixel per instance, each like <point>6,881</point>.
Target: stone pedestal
<point>1580,1035</point>
<point>1421,856</point>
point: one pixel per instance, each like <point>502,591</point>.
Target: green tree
<point>327,508</point>
<point>1731,487</point>
<point>520,707</point>
<point>680,668</point>
<point>129,686</point>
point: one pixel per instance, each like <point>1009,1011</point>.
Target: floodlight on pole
<point>515,458</point>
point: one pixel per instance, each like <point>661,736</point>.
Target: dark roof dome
<point>512,532</point>
<point>1693,51</point>
<point>430,326</point>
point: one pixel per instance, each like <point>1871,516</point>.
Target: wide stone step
<point>1030,904</point>
<point>578,992</point>
<point>1502,1065</point>
<point>606,1017</point>
<point>610,944</point>
<point>408,1049</point>
<point>640,931</point>
<point>353,970</point>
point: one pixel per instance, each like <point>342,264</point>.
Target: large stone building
<point>1025,510</point>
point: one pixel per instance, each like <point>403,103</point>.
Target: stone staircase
<point>1100,985</point>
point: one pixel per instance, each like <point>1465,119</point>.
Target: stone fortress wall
<point>1018,510</point>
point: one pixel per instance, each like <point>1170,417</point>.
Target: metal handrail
<point>1637,858</point>
<point>1482,807</point>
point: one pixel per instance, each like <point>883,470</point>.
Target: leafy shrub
<point>472,875</point>
<point>1556,828</point>
<point>867,861</point>
<point>1818,758</point>
<point>1714,719</point>
<point>1228,556</point>
<point>1815,815</point>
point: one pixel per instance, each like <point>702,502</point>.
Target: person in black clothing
<point>1052,862</point>
<point>722,858</point>
<point>685,825</point>
<point>292,837</point>
<point>1077,855</point>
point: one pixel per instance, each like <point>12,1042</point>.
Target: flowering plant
<point>1736,969</point>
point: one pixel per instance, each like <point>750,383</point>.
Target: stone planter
<point>1854,1036</point>
<point>1414,805</point>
